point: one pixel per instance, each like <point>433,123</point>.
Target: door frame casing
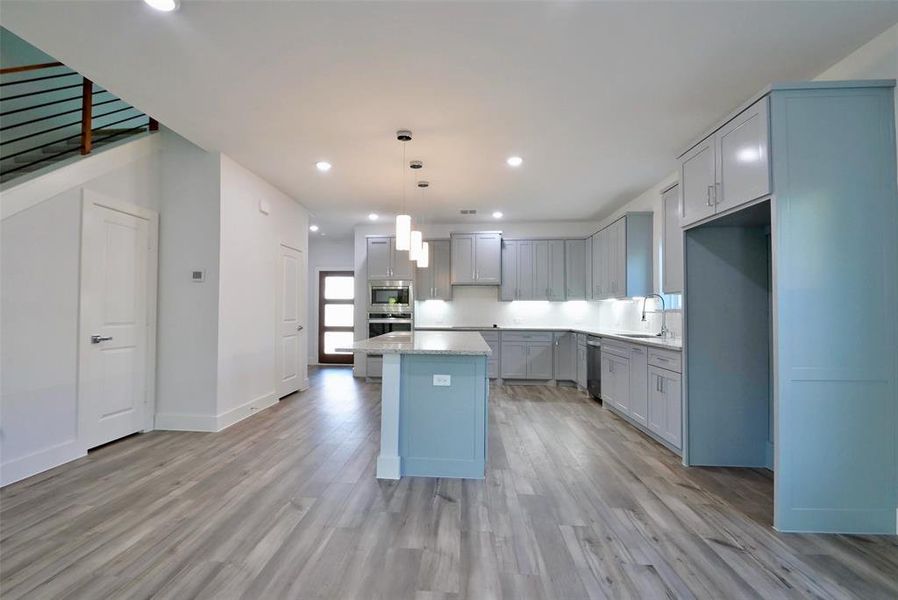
<point>320,274</point>
<point>88,199</point>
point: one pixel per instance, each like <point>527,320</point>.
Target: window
<point>336,290</point>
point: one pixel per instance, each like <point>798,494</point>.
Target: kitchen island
<point>434,403</point>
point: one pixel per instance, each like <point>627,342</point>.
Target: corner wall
<point>248,286</point>
<point>40,246</point>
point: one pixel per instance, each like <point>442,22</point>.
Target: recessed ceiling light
<point>164,5</point>
<point>497,214</point>
<point>323,165</point>
<point>373,217</point>
<point>514,161</point>
<point>313,228</point>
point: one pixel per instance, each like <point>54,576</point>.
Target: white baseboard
<point>235,415</point>
<point>213,423</point>
<point>37,462</point>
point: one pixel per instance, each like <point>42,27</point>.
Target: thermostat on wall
<point>198,276</point>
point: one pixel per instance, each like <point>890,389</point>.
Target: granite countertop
<point>444,341</point>
<point>675,344</point>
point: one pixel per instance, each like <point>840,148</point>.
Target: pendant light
<point>403,221</point>
<point>423,258</point>
<point>417,240</point>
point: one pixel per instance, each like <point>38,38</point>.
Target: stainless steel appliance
<point>594,367</point>
<point>381,323</point>
<point>390,296</point>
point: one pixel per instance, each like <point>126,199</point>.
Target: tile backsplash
<point>480,307</point>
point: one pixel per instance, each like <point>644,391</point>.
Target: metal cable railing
<point>36,124</point>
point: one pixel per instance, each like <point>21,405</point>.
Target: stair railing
<point>37,108</point>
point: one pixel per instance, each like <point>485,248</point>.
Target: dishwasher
<point>594,367</point>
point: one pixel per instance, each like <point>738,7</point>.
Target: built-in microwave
<point>390,296</point>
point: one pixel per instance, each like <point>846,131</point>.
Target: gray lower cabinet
<point>492,365</point>
<point>527,355</point>
<point>565,356</point>
<point>639,397</point>
<point>374,365</point>
<point>514,360</point>
<point>433,282</point>
<point>672,242</point>
<point>476,258</point>
<point>582,361</point>
<point>615,380</point>
<point>576,272</point>
<point>665,406</point>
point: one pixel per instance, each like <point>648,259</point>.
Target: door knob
<point>96,339</point>
<point>299,328</point>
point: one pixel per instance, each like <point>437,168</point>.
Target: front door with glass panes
<point>335,316</point>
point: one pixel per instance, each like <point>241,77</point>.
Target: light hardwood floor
<point>576,504</point>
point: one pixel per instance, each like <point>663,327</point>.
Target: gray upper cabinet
<point>476,259</point>
<point>526,267</point>
<point>728,168</point>
<point>598,267</point>
<point>379,260</point>
<point>744,169</point>
<point>534,270</point>
<point>385,262</point>
<point>672,243</point>
<point>622,258</point>
<point>462,258</point>
<point>576,279</point>
<point>557,271</point>
<point>509,289</point>
<point>699,180</point>
<point>432,283</point>
<point>402,267</point>
<point>488,258</point>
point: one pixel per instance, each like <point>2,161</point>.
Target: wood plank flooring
<point>285,505</point>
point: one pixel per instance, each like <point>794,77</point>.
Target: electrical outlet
<point>442,380</point>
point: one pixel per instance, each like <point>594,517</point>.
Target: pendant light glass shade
<point>415,246</point>
<point>403,232</point>
<point>424,256</point>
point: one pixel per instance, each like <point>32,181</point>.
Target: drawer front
<point>666,359</point>
<point>612,347</point>
<point>526,336</point>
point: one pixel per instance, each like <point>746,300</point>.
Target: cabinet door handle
<point>660,384</point>
<point>710,187</point>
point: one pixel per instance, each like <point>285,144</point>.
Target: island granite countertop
<point>460,343</point>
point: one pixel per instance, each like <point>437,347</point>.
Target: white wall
<point>40,242</point>
<point>877,59</point>
<point>248,286</point>
<point>187,324</point>
<point>324,255</point>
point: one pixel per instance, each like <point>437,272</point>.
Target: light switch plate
<point>442,380</point>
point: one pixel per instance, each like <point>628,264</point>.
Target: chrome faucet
<point>664,330</point>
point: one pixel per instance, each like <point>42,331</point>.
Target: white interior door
<point>117,256</point>
<point>291,321</point>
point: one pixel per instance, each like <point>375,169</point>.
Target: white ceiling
<point>597,97</point>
